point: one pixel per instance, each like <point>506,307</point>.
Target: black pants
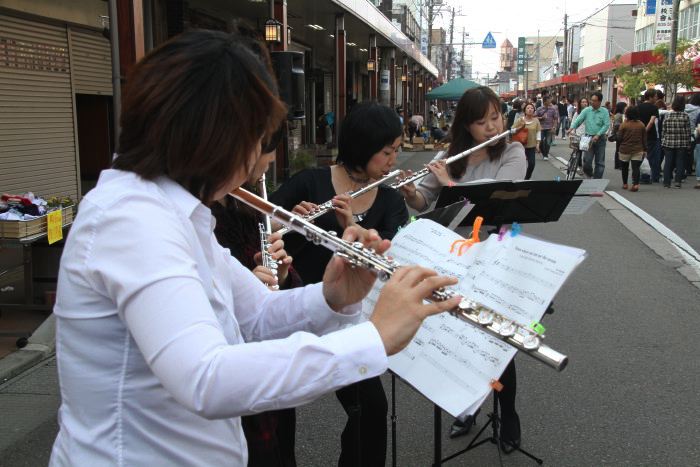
<point>625,166</point>
<point>270,438</point>
<point>530,156</point>
<point>544,143</point>
<point>363,442</point>
<point>506,398</point>
<point>675,159</point>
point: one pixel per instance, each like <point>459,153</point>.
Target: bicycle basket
<point>574,141</point>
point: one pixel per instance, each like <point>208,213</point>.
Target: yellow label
<point>54,221</point>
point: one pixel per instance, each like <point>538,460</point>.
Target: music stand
<point>498,203</point>
<point>505,202</point>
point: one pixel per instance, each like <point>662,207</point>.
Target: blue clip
<point>515,229</point>
<point>502,233</point>
<point>557,178</point>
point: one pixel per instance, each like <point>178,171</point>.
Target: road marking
<point>690,256</point>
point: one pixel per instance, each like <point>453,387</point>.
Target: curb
<point>42,344</point>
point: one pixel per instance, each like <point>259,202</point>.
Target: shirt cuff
<point>361,350</point>
<point>322,315</point>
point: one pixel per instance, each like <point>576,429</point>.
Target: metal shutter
<point>37,136</point>
<point>92,63</point>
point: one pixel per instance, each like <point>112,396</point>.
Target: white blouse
<point>164,340</point>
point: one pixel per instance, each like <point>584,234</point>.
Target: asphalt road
<point>626,319</point>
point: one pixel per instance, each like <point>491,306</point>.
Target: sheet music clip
<point>515,229</point>
<point>557,178</point>
<point>538,328</point>
<point>466,244</point>
<point>502,232</point>
<point>496,385</point>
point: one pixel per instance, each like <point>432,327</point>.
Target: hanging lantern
<point>273,31</point>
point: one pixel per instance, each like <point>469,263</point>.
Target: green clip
<point>412,219</point>
<point>537,327</point>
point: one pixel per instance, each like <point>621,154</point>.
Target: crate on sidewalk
<point>21,229</point>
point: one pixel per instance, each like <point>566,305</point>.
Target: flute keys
<point>531,342</point>
<point>507,328</point>
<point>485,317</point>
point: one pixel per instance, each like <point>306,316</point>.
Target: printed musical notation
<point>452,362</point>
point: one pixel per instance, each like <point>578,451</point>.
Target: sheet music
<point>581,204</point>
<point>449,361</point>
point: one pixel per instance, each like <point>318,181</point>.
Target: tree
<point>679,72</point>
<point>633,81</point>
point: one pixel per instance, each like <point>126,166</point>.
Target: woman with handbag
<point>618,118</point>
<point>632,141</point>
<point>532,136</point>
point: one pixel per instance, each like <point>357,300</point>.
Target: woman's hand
<point>538,148</point>
<point>266,276</point>
<point>344,284</point>
<point>400,310</point>
<point>305,208</point>
<point>408,190</point>
<point>439,169</point>
<point>279,255</point>
<point>343,210</point>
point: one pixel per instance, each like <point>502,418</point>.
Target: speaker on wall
<point>289,70</point>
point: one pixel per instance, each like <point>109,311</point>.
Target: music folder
<point>504,202</point>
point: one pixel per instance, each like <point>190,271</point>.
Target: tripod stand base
<point>494,422</point>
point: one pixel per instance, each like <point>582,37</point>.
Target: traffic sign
<point>489,42</point>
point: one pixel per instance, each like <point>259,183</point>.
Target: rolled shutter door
<point>37,139</point>
<point>92,63</point>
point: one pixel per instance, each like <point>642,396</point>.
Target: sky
<point>511,19</point>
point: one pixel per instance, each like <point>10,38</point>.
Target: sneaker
<point>667,186</point>
<point>634,188</point>
<point>677,185</point>
<point>545,158</point>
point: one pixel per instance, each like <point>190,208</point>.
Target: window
<point>689,21</point>
<point>644,38</point>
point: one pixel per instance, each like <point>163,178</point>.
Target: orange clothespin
<point>465,244</point>
<point>496,385</point>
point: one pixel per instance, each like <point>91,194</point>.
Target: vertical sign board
<point>54,226</point>
<point>651,8</point>
<point>664,21</point>
<point>521,56</point>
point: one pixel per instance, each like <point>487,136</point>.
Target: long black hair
<point>474,105</point>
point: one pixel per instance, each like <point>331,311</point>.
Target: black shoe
<point>510,433</point>
<point>461,428</point>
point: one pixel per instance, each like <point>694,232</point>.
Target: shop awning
<point>452,90</point>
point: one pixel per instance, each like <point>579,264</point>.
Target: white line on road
<point>691,256</point>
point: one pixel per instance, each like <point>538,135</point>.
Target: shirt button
<point>363,370</point>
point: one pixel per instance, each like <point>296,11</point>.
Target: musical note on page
<point>449,361</point>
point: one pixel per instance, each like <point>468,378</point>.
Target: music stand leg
<point>437,433</point>
<point>393,420</point>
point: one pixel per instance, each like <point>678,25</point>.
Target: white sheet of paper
<point>450,361</point>
<point>581,204</point>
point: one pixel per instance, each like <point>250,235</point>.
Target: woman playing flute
<point>370,136</point>
<point>163,339</point>
<point>477,119</point>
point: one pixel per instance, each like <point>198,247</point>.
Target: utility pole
<point>430,26</point>
<point>565,69</point>
<point>461,63</point>
<point>674,33</point>
<point>537,77</point>
<point>450,51</point>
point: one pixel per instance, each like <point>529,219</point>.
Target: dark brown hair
<point>195,109</point>
<point>474,105</point>
<point>678,103</point>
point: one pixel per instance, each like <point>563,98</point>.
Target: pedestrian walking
<point>533,142</point>
<point>675,141</point>
<point>648,114</point>
<point>631,138</point>
<point>617,119</point>
<point>581,130</point>
<point>597,122</point>
<point>563,118</point>
<point>548,115</point>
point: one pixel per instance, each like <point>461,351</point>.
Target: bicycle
<point>574,158</point>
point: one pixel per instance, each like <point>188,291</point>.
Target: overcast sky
<point>513,18</point>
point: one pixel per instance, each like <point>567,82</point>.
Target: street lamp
<point>370,65</point>
<point>403,78</point>
<point>273,31</point>
<point>289,34</point>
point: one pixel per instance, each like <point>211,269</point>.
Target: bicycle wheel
<point>572,165</point>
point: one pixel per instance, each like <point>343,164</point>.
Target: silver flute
<point>425,172</point>
<point>328,205</point>
<point>265,229</point>
<point>486,319</point>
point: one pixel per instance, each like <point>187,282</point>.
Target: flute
<point>425,172</point>
<point>486,319</point>
<point>265,229</point>
<point>328,205</point>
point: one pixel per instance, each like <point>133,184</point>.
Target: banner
<point>664,21</point>
<point>651,8</point>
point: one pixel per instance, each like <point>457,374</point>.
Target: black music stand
<point>505,202</point>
